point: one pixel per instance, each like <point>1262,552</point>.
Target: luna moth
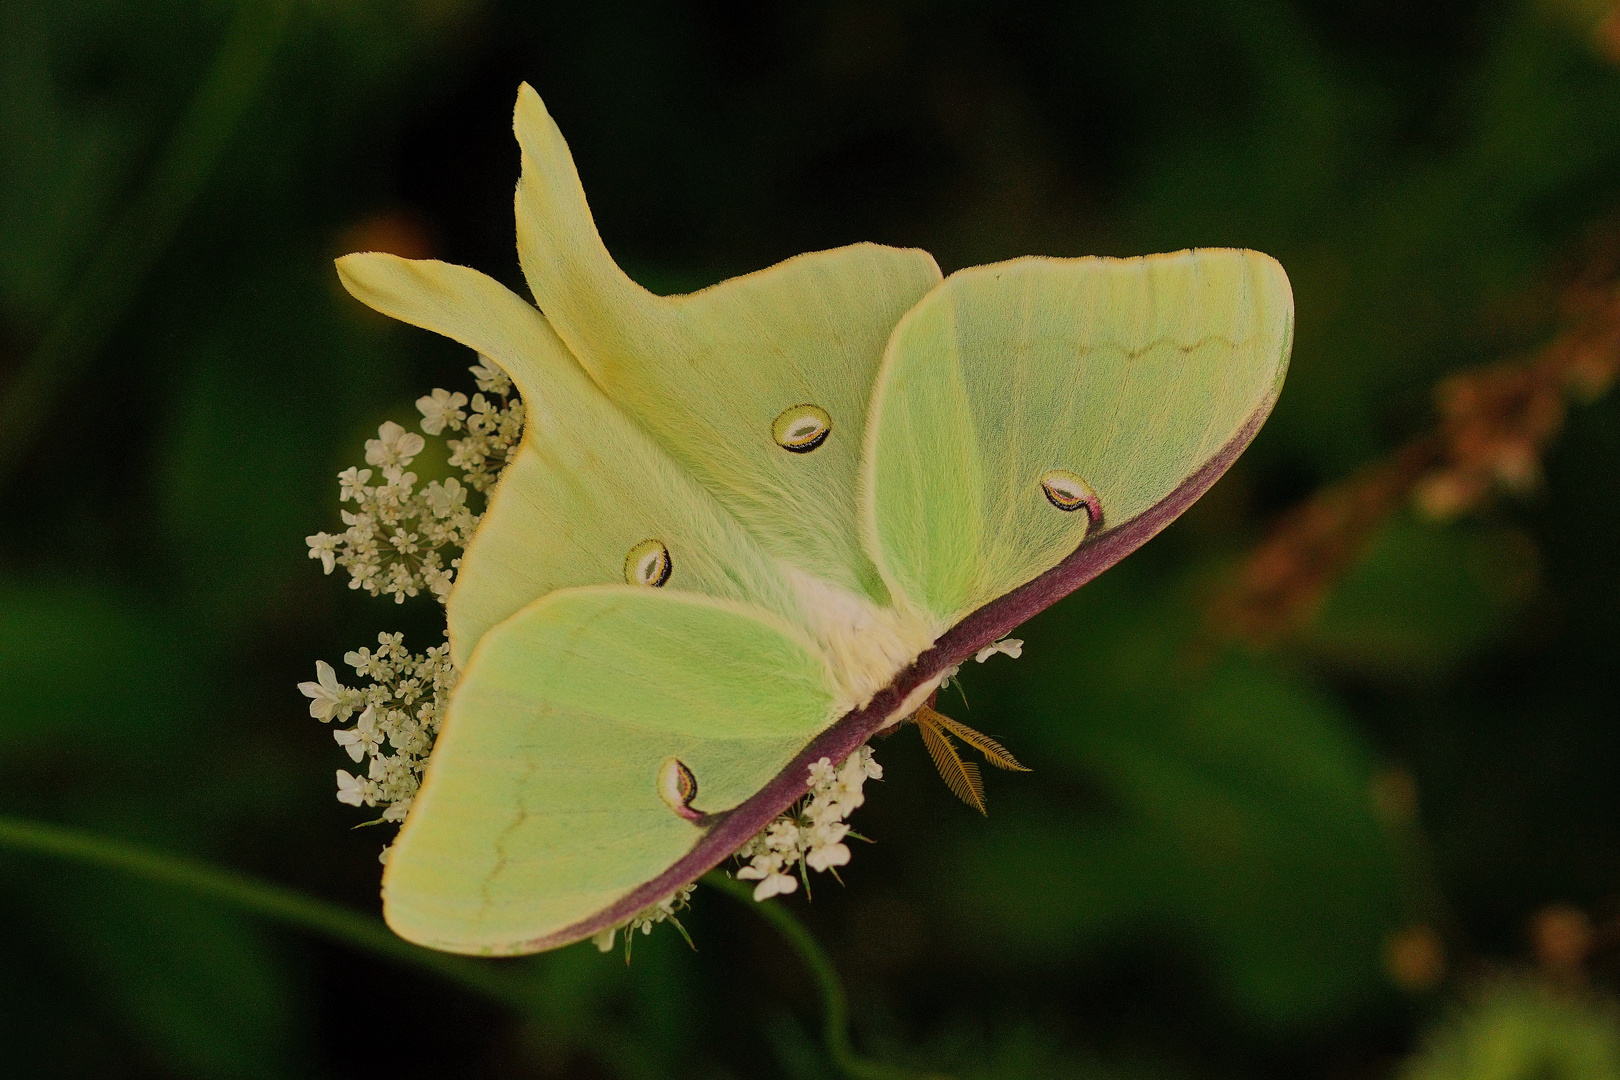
<point>750,527</point>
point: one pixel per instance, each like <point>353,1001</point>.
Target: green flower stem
<point>274,902</point>
<point>515,983</point>
<point>104,292</point>
<point>834,1002</point>
<point>509,982</point>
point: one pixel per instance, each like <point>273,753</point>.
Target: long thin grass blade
<point>962,777</point>
<point>993,751</point>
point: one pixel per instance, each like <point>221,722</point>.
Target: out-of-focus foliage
<point>1514,1031</point>
<point>1205,871</point>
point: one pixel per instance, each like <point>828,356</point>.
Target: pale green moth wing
<point>540,820</point>
<point>1061,411</point>
<point>759,386</point>
<point>590,499</point>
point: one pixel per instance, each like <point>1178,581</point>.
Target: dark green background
<point>1192,883</point>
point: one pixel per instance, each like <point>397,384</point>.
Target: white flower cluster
<point>401,540</point>
<point>402,706</point>
<point>812,832</point>
<point>647,918</point>
<point>494,429</point>
<point>1011,646</point>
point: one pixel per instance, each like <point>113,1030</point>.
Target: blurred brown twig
<point>1494,424</point>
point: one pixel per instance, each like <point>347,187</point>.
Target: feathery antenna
<point>993,751</point>
<point>962,777</point>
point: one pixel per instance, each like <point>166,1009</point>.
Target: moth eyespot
<point>648,564</point>
<point>1069,493</point>
<point>802,428</point>
<point>678,787</point>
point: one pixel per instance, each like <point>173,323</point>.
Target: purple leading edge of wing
<point>733,828</point>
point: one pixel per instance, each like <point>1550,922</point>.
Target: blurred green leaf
<point>1237,816</point>
<point>81,104</point>
<point>203,988</point>
<point>1032,1051</point>
<point>1519,1030</point>
<point>85,668</point>
<point>271,374</point>
<point>1424,597</point>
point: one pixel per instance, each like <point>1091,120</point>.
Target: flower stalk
<point>508,982</point>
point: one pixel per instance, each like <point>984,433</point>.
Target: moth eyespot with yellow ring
<point>802,428</point>
<point>678,787</point>
<point>1067,492</point>
<point>648,564</point>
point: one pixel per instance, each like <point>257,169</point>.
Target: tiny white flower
<point>822,773</point>
<point>645,919</point>
<point>373,666</point>
<point>363,738</point>
<point>782,835</point>
<point>822,811</point>
<point>323,546</point>
<point>828,832</point>
<point>1012,646</point>
<point>351,789</point>
<point>486,412</point>
<point>352,483</point>
<point>810,834</point>
<point>350,741</point>
<point>327,696</point>
<point>438,581</point>
<point>775,885</point>
<point>820,858</point>
<point>852,776</point>
<point>445,497</point>
<point>441,409</point>
<point>396,494</point>
<point>489,377</point>
<point>394,447</point>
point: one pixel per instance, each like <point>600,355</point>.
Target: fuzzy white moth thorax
<point>865,645</point>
